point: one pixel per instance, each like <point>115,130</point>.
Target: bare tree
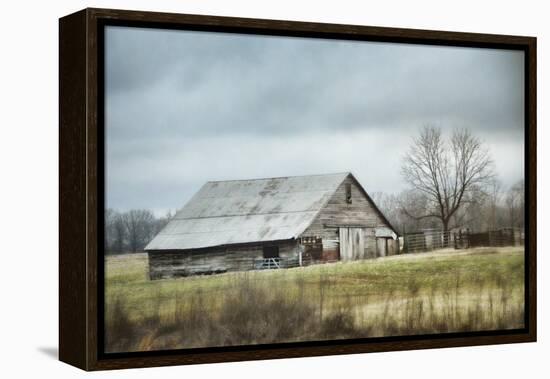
<point>115,232</point>
<point>162,221</point>
<point>515,204</point>
<point>119,233</point>
<point>388,204</point>
<point>130,231</point>
<point>139,225</point>
<point>109,229</point>
<point>493,200</point>
<point>392,206</point>
<point>474,213</point>
<point>445,173</point>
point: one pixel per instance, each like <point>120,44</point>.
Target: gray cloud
<point>185,107</point>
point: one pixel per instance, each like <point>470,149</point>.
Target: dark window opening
<point>271,251</point>
<point>348,193</point>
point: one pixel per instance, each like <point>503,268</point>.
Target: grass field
<point>444,291</point>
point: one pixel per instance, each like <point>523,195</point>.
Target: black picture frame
<point>81,183</point>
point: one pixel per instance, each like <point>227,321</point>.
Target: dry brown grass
<point>419,295</point>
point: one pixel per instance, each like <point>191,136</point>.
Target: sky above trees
<point>185,107</point>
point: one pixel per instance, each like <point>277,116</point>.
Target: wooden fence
<point>496,238</point>
<point>437,239</point>
<point>426,241</point>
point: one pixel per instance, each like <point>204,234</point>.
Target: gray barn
<point>242,225</point>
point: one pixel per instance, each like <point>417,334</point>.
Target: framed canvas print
<point>237,189</point>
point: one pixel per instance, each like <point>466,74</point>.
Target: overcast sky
<point>182,108</point>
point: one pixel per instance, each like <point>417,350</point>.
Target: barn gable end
<point>359,214</point>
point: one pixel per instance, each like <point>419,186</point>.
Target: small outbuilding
<point>240,225</point>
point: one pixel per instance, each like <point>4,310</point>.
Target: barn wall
<point>393,246</point>
<point>211,261</point>
<point>386,246</point>
<point>370,243</point>
<point>339,212</point>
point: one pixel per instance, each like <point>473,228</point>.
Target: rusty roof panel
<point>245,211</point>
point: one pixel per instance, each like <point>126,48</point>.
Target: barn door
<point>352,243</point>
<point>381,247</point>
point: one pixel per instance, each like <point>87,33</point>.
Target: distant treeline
<point>491,208</point>
<point>129,232</point>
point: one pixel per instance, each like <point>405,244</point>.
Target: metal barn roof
<point>243,211</point>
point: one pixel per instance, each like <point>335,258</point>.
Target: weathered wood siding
<point>370,243</point>
<point>170,264</point>
<point>393,246</point>
<point>338,212</point>
<point>386,246</point>
<point>331,250</point>
<point>352,244</point>
<point>381,247</point>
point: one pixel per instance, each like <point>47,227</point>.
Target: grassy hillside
<point>445,291</point>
